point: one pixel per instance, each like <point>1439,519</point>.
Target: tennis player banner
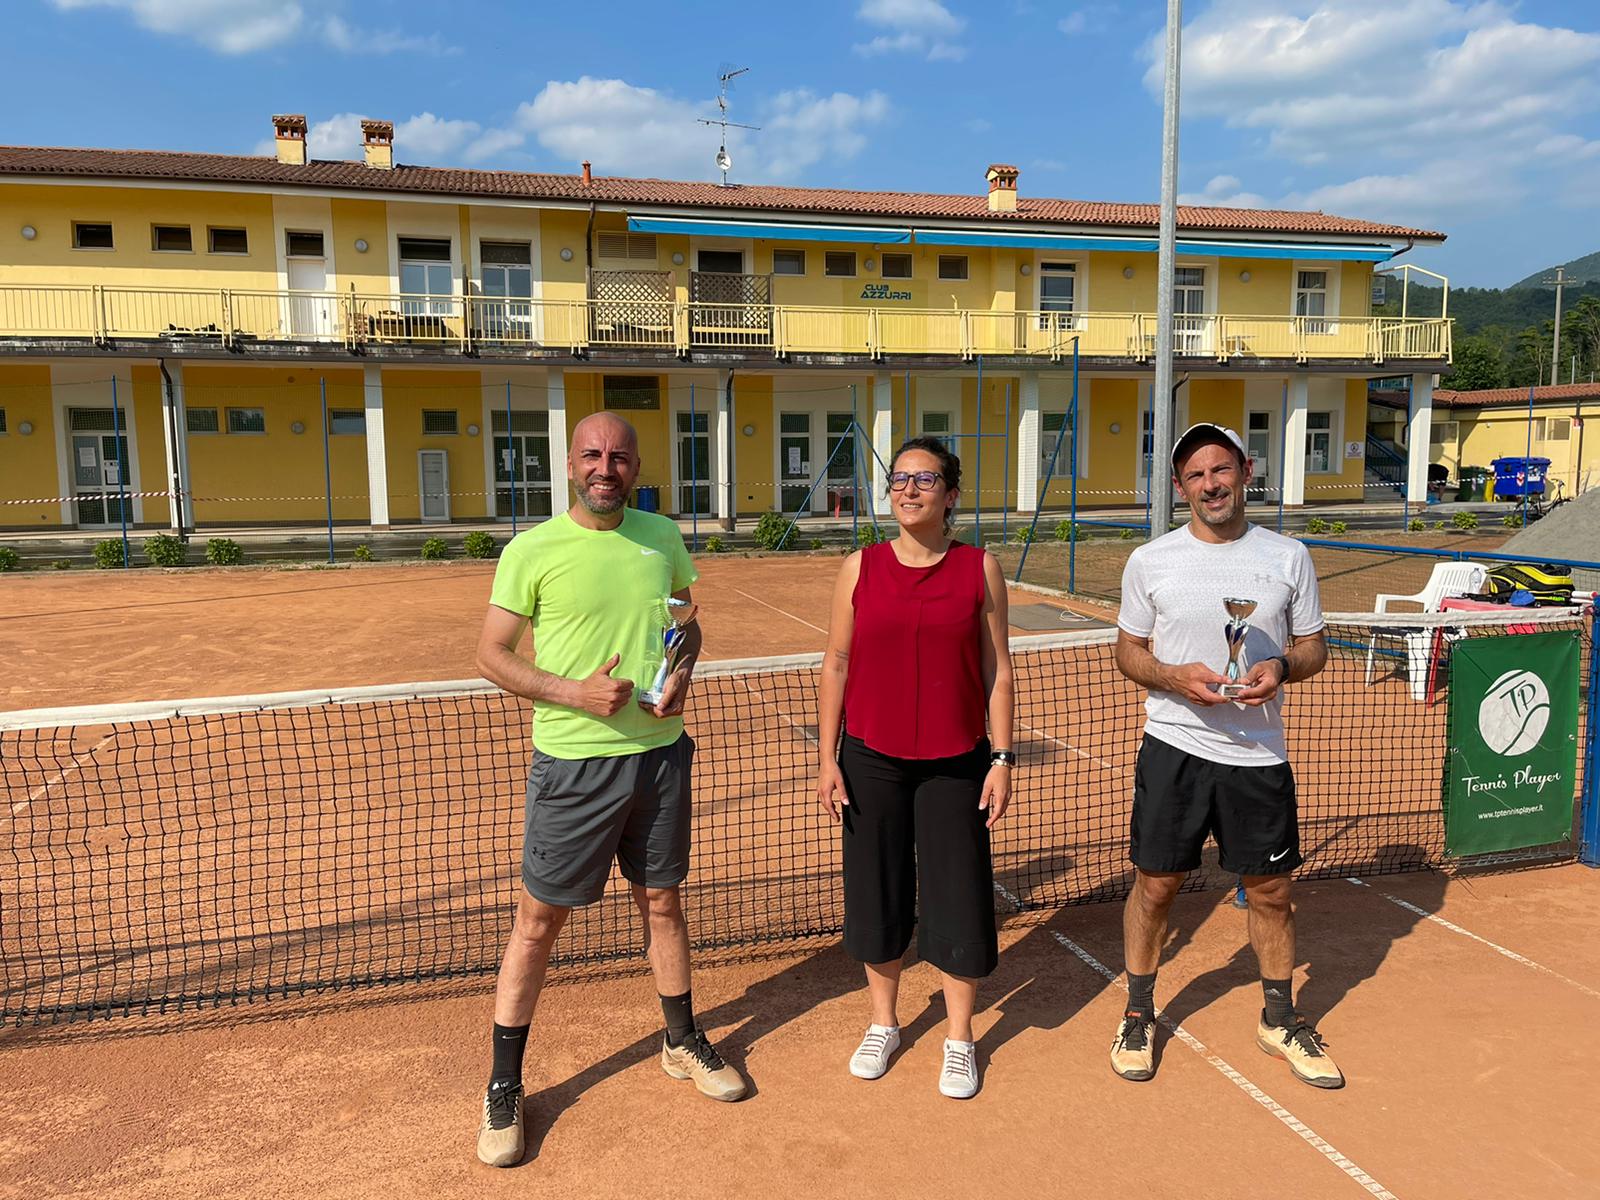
<point>1513,742</point>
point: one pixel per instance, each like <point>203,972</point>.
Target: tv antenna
<point>724,160</point>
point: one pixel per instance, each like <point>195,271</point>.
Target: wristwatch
<point>1284,659</point>
<point>1002,758</point>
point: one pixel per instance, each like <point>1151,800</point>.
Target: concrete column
<point>555,392</point>
<point>1027,464</point>
<point>1418,437</point>
<point>882,433</point>
<point>721,431</point>
<point>175,435</point>
<point>1294,441</point>
<point>377,448</point>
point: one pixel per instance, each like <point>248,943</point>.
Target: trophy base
<point>1230,690</point>
<point>650,697</point>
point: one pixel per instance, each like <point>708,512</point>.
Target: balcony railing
<point>239,318</point>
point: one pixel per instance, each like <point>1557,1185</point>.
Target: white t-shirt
<point>1172,593</point>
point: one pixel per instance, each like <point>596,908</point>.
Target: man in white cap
<point>1213,763</point>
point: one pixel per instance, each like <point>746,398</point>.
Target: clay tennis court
<point>1457,1083</point>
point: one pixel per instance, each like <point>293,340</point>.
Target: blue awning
<point>1143,245</point>
<point>775,231</point>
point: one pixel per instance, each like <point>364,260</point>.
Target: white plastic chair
<point>1447,579</point>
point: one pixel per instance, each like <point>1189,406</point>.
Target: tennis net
<point>185,854</point>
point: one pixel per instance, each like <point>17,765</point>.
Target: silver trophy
<point>1239,612</point>
<point>674,617</point>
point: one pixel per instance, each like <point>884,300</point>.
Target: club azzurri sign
<point>882,291</point>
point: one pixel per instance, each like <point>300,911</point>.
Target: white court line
<point>784,612</point>
<point>1467,933</point>
<point>21,805</point>
<point>1066,745</point>
<point>1306,1133</point>
<point>804,732</point>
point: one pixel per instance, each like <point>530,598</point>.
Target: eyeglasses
<point>924,479</point>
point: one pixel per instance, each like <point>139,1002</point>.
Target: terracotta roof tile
<point>1564,393</point>
<point>835,202</point>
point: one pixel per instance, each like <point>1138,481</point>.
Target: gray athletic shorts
<point>584,812</point>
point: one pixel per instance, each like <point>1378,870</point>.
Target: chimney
<point>377,142</point>
<point>289,132</point>
<point>1002,187</point>
<point>587,178</point>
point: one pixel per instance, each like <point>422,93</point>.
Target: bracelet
<point>1002,758</point>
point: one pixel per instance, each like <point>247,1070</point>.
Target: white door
<point>310,316</point>
<point>433,470</point>
<point>1189,325</point>
<point>1259,443</point>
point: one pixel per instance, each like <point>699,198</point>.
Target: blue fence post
<point>855,474</point>
<point>1589,814</point>
<point>1072,520</point>
<point>122,467</point>
<point>1527,484</point>
<point>1005,474</point>
<point>977,483</point>
<point>327,468</point>
<point>694,474</point>
<point>1283,452</point>
<point>516,464</point>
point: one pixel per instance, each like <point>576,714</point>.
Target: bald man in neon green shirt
<point>611,774</point>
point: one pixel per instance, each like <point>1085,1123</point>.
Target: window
<point>438,420</point>
<point>1311,299</point>
<point>201,420</point>
<point>89,236</point>
<point>936,424</point>
<point>952,266</point>
<point>508,273</point>
<point>1444,433</point>
<point>897,266</point>
<point>1552,429</point>
<point>788,262</point>
<point>247,420</point>
<point>628,247</point>
<point>1058,286</point>
<point>1051,426</point>
<point>1319,442</point>
<point>839,262</point>
<point>425,271</point>
<point>229,241</point>
<point>173,238</point>
<point>2,420</point>
<point>303,245</point>
<point>631,391</point>
<point>347,420</point>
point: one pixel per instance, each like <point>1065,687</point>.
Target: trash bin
<point>1515,477</point>
<point>1473,483</point>
<point>647,499</point>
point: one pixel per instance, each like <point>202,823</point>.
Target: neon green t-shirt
<point>592,593</point>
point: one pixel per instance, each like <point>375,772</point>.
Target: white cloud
<point>805,129</point>
<point>1087,18</point>
<point>1222,191</point>
<point>1466,107</point>
<point>923,27</point>
<point>248,26</point>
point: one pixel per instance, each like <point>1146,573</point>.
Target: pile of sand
<point>1570,532</point>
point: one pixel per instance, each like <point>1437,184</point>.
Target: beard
<point>600,505</point>
<point>1222,517</point>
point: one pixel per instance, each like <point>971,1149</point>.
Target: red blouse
<point>915,686</point>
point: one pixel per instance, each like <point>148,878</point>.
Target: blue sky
<point>1480,118</point>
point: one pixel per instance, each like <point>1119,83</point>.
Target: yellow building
<point>1471,429</point>
<point>174,327</point>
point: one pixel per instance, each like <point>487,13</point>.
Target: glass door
<point>1258,443</point>
<point>521,465</point>
<point>694,463</point>
<point>794,460</point>
<point>1188,305</point>
<point>841,452</point>
<point>100,477</point>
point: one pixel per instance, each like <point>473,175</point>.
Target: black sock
<point>1279,993</point>
<point>1142,995</point>
<point>509,1043</point>
<point>679,1012</point>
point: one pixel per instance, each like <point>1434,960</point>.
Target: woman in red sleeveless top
<point>917,671</point>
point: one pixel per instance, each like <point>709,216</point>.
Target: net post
<point>122,466</point>
<point>1589,814</point>
<point>327,466</point>
<point>516,467</point>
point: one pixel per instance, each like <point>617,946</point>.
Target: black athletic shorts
<point>1179,798</point>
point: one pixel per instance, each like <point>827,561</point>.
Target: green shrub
<point>1063,531</point>
<point>1316,525</point>
<point>61,564</point>
<point>869,535</point>
<point>1438,525</point>
<point>1465,520</point>
<point>715,544</point>
<point>1023,535</point>
<point>434,548</point>
<point>108,553</point>
<point>1512,520</point>
<point>223,552</point>
<point>1416,525</point>
<point>1126,535</point>
<point>362,553</point>
<point>1339,527</point>
<point>478,544</point>
<point>9,561</point>
<point>816,543</point>
<point>774,532</point>
<point>165,550</point>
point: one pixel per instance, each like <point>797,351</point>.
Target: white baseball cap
<point>1207,431</point>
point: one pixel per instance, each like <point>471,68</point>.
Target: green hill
<point>1579,270</point>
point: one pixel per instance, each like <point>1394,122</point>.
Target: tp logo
<point>1514,713</point>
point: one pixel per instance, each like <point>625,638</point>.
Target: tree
<point>1478,364</point>
<point>1580,334</point>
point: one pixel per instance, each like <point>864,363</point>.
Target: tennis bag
<point>1541,585</point>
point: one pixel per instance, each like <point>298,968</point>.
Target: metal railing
<point>232,317</point>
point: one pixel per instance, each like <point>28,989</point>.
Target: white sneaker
<point>871,1058</point>
<point>959,1079</point>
